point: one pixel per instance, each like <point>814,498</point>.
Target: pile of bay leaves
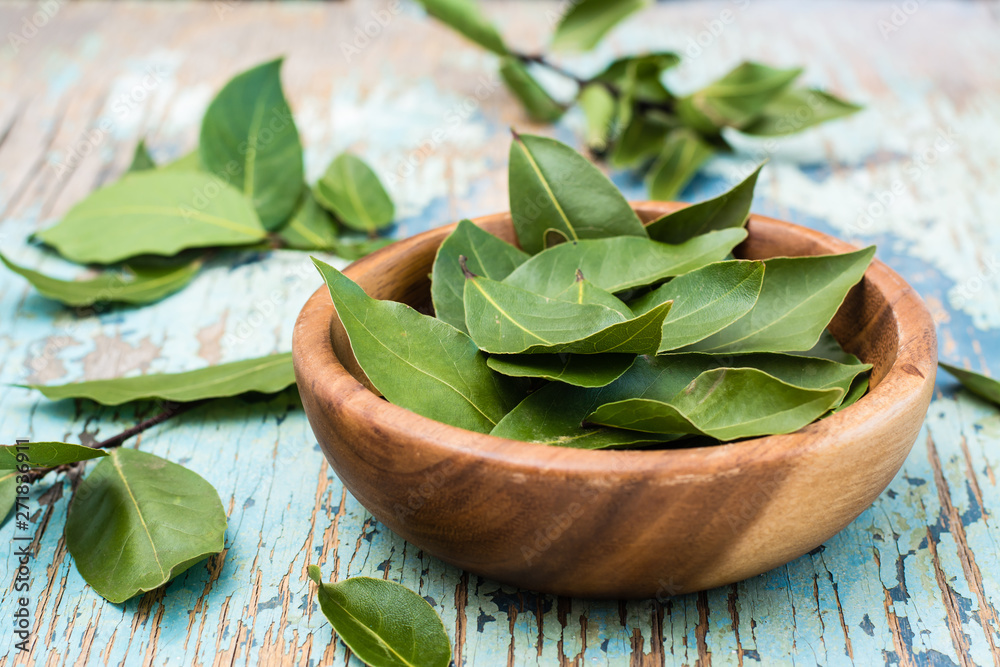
<point>600,331</point>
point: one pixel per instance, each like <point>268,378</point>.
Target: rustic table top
<point>915,580</point>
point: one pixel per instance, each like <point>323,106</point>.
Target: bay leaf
<point>796,109</point>
<point>856,391</point>
<point>383,623</point>
<point>145,285</point>
<point>583,291</point>
<point>537,101</point>
<point>465,17</point>
<point>798,298</point>
<point>249,139</point>
<point>419,362</point>
<point>141,159</point>
<point>46,454</point>
<point>681,157</point>
<point>137,521</point>
<point>827,347</point>
<point>642,67</point>
<point>486,255</point>
<point>267,375</point>
<point>736,99</point>
<point>620,263</point>
<point>157,213</point>
<point>190,161</point>
<point>8,494</point>
<point>554,189</point>
<point>706,300</point>
<point>579,370</point>
<point>730,209</point>
<point>310,227</point>
<point>350,190</point>
<point>587,21</point>
<point>357,249</point>
<point>641,140</point>
<point>598,106</point>
<point>979,384</point>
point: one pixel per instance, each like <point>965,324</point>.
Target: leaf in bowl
<point>579,370</point>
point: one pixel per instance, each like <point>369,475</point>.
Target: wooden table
<point>915,580</point>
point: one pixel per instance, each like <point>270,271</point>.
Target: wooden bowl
<point>619,523</point>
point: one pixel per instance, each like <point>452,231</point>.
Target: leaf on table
<point>419,362</point>
<point>579,370</point>
<point>706,300</point>
<point>737,99</point>
<point>45,454</point>
<point>266,375</point>
<point>486,255</point>
<point>145,285</point>
<point>730,209</point>
<point>587,21</point>
<point>554,189</point>
<point>620,263</point>
<point>249,139</point>
<point>796,109</point>
<point>599,108</point>
<point>310,227</point>
<point>979,384</point>
<point>141,159</point>
<point>679,160</point>
<point>465,17</point>
<point>384,623</point>
<point>643,67</point>
<point>350,190</point>
<point>537,101</point>
<point>157,213</point>
<point>641,140</point>
<point>799,297</point>
<point>8,494</point>
<point>137,521</point>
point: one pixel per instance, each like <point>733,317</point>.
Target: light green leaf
<point>267,375</point>
<point>141,159</point>
<point>554,189</point>
<point>249,139</point>
<point>535,99</point>
<point>681,157</point>
<point>580,370</point>
<point>620,263</point>
<point>352,192</point>
<point>706,300</point>
<point>187,162</point>
<point>419,362</point>
<point>8,494</point>
<point>144,286</point>
<point>736,99</point>
<point>45,454</point>
<point>464,17</point>
<point>855,392</point>
<point>383,623</point>
<point>357,249</point>
<point>504,319</point>
<point>730,209</point>
<point>310,227</point>
<point>584,291</point>
<point>486,255</point>
<point>796,109</point>
<point>587,21</point>
<point>979,384</point>
<point>157,213</point>
<point>138,521</point>
<point>799,297</point>
<point>598,106</point>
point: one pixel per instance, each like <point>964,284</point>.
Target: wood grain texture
<point>913,581</point>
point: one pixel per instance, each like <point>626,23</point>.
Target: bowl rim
<point>320,371</point>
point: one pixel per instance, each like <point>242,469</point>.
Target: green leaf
<point>535,99</point>
<point>187,162</point>
<point>138,521</point>
<point>464,17</point>
<point>584,291</point>
<point>352,192</point>
<point>383,623</point>
<point>45,454</point>
<point>555,189</point>
<point>267,375</point>
<point>598,106</point>
<point>144,286</point>
<point>730,209</point>
<point>620,263</point>
<point>641,139</point>
<point>157,213</point>
<point>249,138</point>
<point>486,255</point>
<point>504,319</point>
<point>357,249</point>
<point>736,99</point>
<point>799,297</point>
<point>419,362</point>
<point>796,109</point>
<point>141,159</point>
<point>8,494</point>
<point>794,369</point>
<point>857,389</point>
<point>310,227</point>
<point>980,385</point>
<point>706,300</point>
<point>642,67</point>
<point>681,157</point>
<point>579,370</point>
<point>827,347</point>
<point>587,21</point>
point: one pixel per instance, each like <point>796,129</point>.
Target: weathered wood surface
<point>915,580</point>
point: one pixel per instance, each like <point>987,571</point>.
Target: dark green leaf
<point>419,362</point>
<point>138,521</point>
<point>584,291</point>
<point>827,347</point>
<point>580,370</point>
<point>45,454</point>
<point>141,159</point>
<point>643,67</point>
<point>157,213</point>
<point>736,99</point>
<point>555,189</point>
<point>352,191</point>
<point>249,138</point>
<point>464,16</point>
<point>144,286</point>
<point>799,297</point>
<point>267,375</point>
<point>310,227</point>
<point>641,139</point>
<point>357,249</point>
<point>383,623</point>
<point>535,99</point>
<point>796,109</point>
<point>981,385</point>
<point>857,389</point>
<point>730,209</point>
<point>681,157</point>
<point>485,254</point>
<point>587,21</point>
<point>598,106</point>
